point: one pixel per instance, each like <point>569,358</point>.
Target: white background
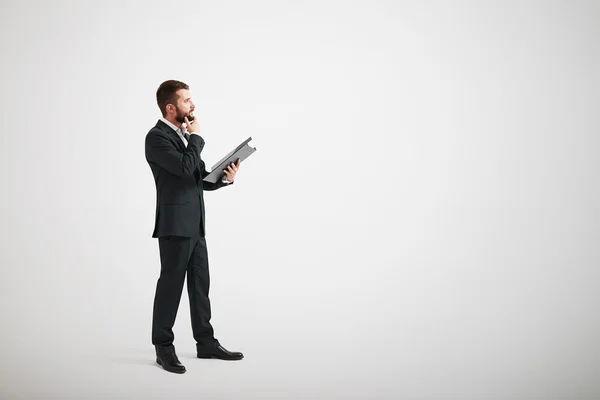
<point>420,219</point>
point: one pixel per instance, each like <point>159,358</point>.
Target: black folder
<point>242,152</point>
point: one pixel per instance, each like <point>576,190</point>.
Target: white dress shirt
<point>181,133</point>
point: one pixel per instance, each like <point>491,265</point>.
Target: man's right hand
<point>193,126</point>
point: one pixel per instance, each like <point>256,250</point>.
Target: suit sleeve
<point>161,151</point>
<point>209,185</point>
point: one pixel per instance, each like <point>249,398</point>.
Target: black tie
<point>187,136</point>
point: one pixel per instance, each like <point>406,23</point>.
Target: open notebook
<point>242,152</point>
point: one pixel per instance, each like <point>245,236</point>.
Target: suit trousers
<point>181,256</point>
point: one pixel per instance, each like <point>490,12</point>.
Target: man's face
<point>184,106</point>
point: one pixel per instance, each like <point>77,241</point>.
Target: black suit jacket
<point>178,172</point>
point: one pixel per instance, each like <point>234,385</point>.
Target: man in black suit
<point>173,148</point>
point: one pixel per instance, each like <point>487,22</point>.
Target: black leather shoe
<point>218,352</point>
<point>171,363</point>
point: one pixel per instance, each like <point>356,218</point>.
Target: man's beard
<point>180,117</point>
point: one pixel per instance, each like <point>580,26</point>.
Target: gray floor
<point>454,336</point>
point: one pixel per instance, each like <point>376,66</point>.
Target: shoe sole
<point>219,358</point>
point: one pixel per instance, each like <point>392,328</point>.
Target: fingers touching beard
<point>181,115</point>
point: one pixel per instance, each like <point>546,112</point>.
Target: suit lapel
<point>171,133</point>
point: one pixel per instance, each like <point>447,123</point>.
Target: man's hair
<point>167,94</point>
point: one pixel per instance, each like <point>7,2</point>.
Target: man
<point>173,148</point>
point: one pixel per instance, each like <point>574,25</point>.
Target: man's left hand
<point>232,169</point>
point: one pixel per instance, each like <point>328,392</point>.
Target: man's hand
<point>232,169</point>
<point>193,126</point>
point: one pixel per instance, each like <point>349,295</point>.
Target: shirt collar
<point>176,129</point>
